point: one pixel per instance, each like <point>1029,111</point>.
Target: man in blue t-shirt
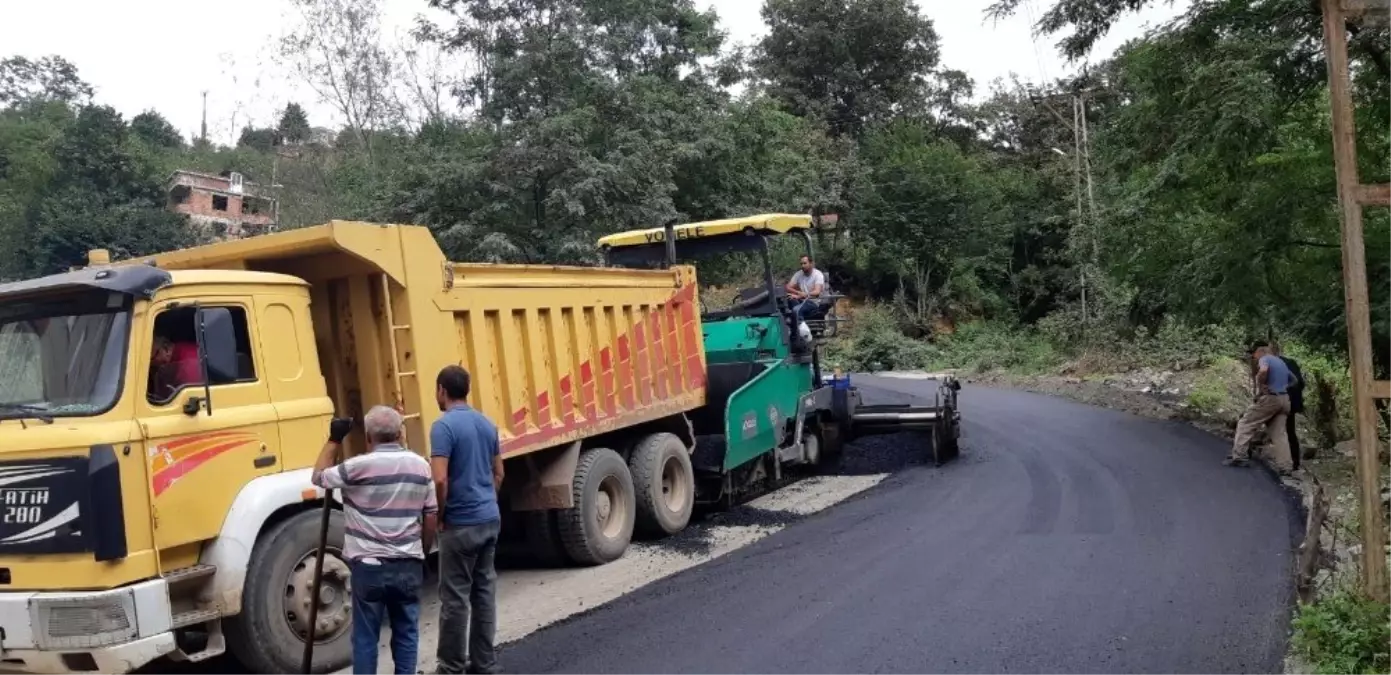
<point>466,460</point>
<point>1268,410</point>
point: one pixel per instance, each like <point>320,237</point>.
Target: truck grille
<point>86,622</point>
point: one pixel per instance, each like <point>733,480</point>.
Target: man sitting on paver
<point>806,288</point>
<point>1269,410</point>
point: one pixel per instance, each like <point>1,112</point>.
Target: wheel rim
<point>611,511</point>
<point>674,485</point>
<point>334,616</point>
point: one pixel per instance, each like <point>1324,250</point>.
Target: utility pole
<point>1087,221</point>
<point>1077,192</point>
<point>1352,196</point>
<point>1093,223</point>
<point>203,133</point>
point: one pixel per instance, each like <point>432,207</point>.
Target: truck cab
<point>115,470</point>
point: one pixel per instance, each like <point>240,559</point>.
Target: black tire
<point>260,636</point>
<point>951,440</point>
<point>942,443</point>
<point>832,447</point>
<point>589,537</point>
<point>543,538</point>
<point>664,483</point>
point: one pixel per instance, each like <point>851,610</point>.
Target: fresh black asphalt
<point>1066,538</point>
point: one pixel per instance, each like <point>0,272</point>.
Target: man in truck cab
<point>172,366</point>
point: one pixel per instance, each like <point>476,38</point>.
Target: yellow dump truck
<point>160,418</point>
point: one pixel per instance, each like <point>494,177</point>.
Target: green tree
<point>51,78</point>
<point>151,127</point>
<point>294,124</point>
<point>852,62</point>
<point>589,107</point>
<point>100,195</point>
<point>264,139</point>
<point>933,217</point>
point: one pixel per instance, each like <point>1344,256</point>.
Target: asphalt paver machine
<point>769,407</point>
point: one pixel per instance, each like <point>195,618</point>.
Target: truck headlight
<point>84,622</point>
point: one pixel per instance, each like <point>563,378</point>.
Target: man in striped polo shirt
<point>390,505</point>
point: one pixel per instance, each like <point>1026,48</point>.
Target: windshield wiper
<point>30,410</point>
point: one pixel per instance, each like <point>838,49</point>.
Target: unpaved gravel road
<point>1066,539</point>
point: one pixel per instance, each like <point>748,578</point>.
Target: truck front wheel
<point>268,635</point>
<point>665,484</point>
<point>600,525</point>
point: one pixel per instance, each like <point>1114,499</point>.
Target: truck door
<point>297,387</point>
<point>198,461</point>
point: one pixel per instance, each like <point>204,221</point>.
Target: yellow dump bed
<point>556,353</point>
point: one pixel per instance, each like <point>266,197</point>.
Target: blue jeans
<point>804,308</point>
<point>390,590</point>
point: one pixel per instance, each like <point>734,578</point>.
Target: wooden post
<point>1357,304</point>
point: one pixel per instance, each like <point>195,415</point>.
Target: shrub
<point>1344,633</point>
<point>875,342</point>
<point>984,346</point>
<point>1327,393</point>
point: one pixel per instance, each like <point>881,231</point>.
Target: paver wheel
<point>268,635</point>
<point>664,483</point>
<point>600,525</point>
<point>832,447</point>
<point>943,444</point>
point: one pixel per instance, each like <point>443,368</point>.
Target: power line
<point>1033,39</point>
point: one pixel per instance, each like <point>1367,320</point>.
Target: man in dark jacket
<point>1296,391</point>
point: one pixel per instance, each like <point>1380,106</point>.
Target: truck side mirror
<point>217,353</point>
<point>217,344</point>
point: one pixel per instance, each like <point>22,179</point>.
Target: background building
<point>227,205</point>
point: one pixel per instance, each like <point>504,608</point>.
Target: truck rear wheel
<point>268,635</point>
<point>664,482</point>
<point>600,525</point>
<point>543,538</point>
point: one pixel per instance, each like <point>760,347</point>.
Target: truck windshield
<point>62,356</point>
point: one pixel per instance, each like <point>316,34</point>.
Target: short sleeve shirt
<point>385,494</point>
<point>1278,378</point>
<point>805,282</point>
<point>470,442</point>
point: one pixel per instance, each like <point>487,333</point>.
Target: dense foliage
<point>521,130</point>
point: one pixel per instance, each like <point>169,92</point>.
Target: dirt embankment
<point>1211,398</point>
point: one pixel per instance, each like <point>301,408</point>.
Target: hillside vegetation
<point>975,230</point>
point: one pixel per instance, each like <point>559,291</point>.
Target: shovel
<point>307,663</point>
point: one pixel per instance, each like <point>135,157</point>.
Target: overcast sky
<point>163,54</point>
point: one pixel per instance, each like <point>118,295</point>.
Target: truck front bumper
<point>113,631</point>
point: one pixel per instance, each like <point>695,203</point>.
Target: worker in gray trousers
<point>466,462</point>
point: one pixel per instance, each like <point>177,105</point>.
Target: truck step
<point>189,573</point>
<point>205,655</point>
<point>194,617</point>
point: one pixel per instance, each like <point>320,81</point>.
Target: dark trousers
<point>805,308</point>
<point>468,598</point>
<point>1295,453</point>
<point>388,591</point>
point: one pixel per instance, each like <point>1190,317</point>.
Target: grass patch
<point>1344,633</point>
<point>1208,396</point>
